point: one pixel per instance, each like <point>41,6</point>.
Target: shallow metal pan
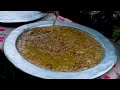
<point>20,16</point>
<point>16,59</point>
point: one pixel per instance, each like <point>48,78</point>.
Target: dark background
<point>104,21</point>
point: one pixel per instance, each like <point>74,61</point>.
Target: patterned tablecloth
<point>114,73</point>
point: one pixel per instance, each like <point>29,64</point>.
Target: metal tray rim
<point>26,18</point>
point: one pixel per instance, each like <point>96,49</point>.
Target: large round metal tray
<point>16,59</point>
<point>20,16</point>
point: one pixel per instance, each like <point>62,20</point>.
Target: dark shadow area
<point>9,72</point>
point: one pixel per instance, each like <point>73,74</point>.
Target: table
<point>8,71</point>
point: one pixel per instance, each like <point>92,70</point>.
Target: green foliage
<point>116,33</point>
<point>119,77</point>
